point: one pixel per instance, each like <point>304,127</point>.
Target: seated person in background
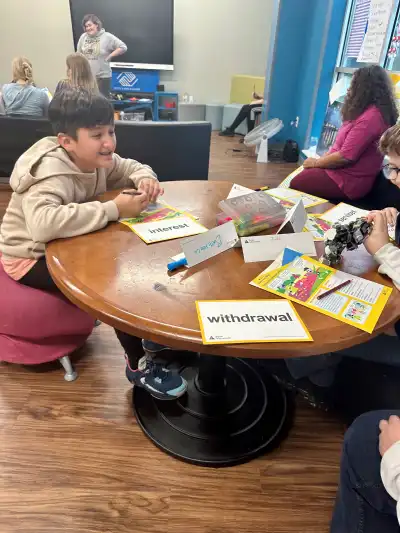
<point>348,171</point>
<point>79,75</point>
<point>53,183</point>
<point>21,97</point>
<point>312,376</point>
<point>244,114</point>
<point>369,486</point>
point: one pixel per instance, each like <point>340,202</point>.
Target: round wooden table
<point>233,411</point>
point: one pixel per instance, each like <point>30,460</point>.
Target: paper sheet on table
<point>280,260</point>
<point>359,304</point>
<point>317,226</point>
<point>167,229</point>
<point>238,190</point>
<point>250,321</point>
<point>156,211</point>
<point>344,213</point>
<point>268,247</point>
<point>291,197</point>
<point>295,220</point>
<point>209,244</point>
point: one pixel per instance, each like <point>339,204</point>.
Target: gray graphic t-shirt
<point>96,49</point>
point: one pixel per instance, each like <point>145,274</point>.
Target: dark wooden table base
<point>233,411</point>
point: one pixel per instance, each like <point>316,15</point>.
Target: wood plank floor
<point>73,459</point>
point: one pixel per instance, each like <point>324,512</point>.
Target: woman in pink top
<point>349,169</point>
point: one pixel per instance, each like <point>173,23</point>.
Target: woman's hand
<point>390,433</point>
<point>310,162</point>
<point>379,235</point>
<point>152,188</point>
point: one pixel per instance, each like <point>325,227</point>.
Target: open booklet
<point>360,303</point>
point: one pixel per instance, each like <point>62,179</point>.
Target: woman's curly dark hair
<point>370,86</point>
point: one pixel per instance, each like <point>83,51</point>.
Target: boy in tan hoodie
<point>53,183</point>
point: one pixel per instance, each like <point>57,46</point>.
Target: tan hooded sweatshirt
<point>50,198</point>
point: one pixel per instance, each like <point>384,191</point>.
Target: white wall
<point>41,30</point>
<point>214,39</point>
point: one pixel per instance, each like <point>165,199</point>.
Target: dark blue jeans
<point>362,503</point>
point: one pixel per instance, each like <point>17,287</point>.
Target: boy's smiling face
<point>393,171</point>
<point>93,147</point>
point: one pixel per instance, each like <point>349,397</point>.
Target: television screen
<point>145,26</point>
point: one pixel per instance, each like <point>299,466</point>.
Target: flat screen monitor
<point>145,26</point>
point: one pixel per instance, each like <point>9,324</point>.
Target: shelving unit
<point>166,106</point>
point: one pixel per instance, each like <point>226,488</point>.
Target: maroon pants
<point>316,181</point>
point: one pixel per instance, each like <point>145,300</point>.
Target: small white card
<point>250,321</point>
<point>167,229</point>
<point>209,244</point>
<point>268,247</point>
<point>238,190</point>
<point>296,219</point>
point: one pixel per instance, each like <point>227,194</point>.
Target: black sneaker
<point>227,133</point>
<point>157,380</point>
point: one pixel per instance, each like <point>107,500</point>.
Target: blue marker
<point>176,264</point>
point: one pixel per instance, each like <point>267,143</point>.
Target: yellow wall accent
<point>242,88</point>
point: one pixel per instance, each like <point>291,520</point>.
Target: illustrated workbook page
<point>289,197</point>
<point>317,226</point>
<point>359,304</point>
<point>157,211</point>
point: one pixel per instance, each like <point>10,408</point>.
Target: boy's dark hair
<point>390,141</point>
<point>92,18</point>
<point>72,109</point>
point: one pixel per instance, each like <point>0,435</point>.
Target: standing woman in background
<point>21,97</point>
<point>79,75</point>
<point>99,47</point>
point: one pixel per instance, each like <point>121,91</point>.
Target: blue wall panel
<point>306,47</point>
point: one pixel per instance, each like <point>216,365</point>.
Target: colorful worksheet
<point>250,321</point>
<point>317,226</point>
<point>157,211</point>
<point>360,303</point>
<point>289,197</point>
<point>167,229</point>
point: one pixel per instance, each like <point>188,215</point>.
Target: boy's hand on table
<point>379,235</point>
<point>151,187</point>
<point>131,206</point>
<point>390,433</point>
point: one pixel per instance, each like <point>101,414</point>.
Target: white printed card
<point>250,321</point>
